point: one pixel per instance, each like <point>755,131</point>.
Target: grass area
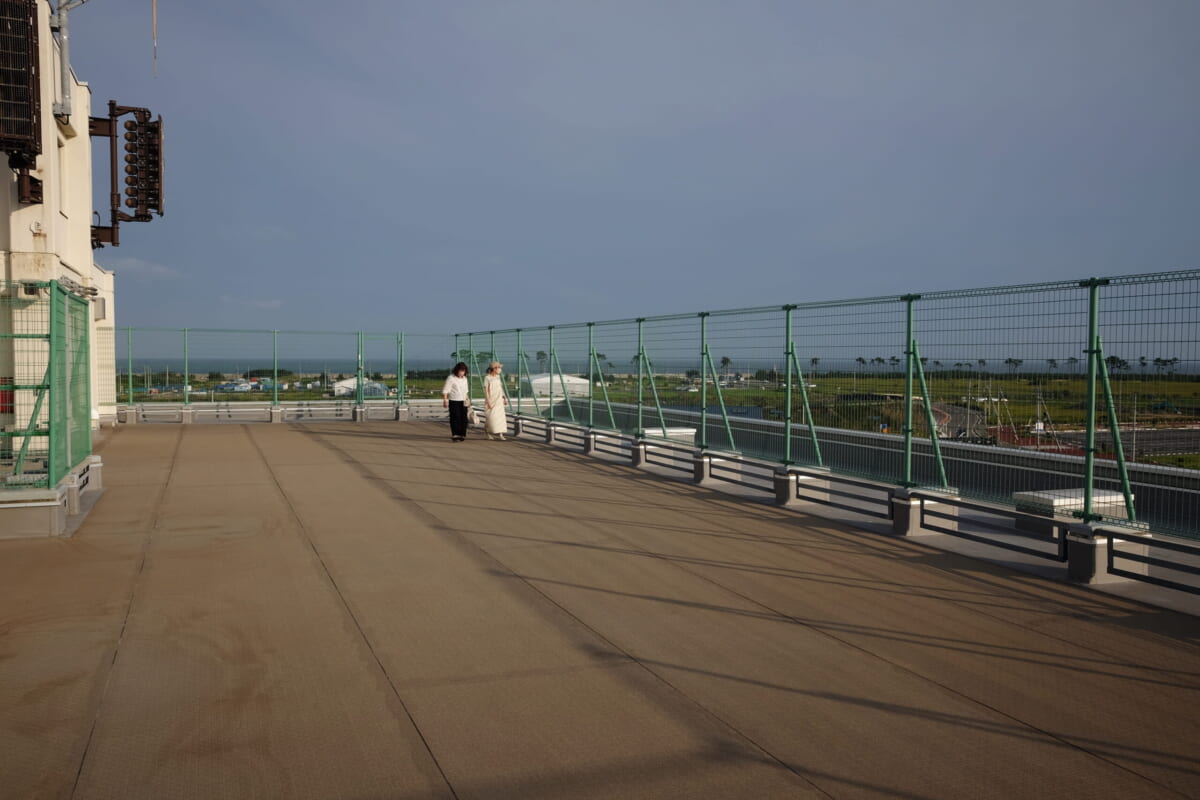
<point>861,401</point>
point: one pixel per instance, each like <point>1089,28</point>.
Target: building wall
<point>52,240</point>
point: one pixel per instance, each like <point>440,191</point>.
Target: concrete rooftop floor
<point>371,611</point>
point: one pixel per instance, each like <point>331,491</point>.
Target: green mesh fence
<point>45,403</point>
<point>192,365</point>
<point>1085,389</point>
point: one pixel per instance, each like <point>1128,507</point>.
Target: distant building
<point>349,388</point>
<point>540,385</point>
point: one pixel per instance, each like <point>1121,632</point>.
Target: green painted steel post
<point>468,358</point>
<point>929,420</point>
<point>1114,428</point>
<point>591,377</point>
<point>358,389</point>
<point>400,368</point>
<point>129,355</point>
<point>790,358</point>
<point>87,384</point>
<point>55,375</point>
<point>808,415</point>
<point>704,359</point>
<point>1093,354</point>
<point>550,376</point>
<point>562,384</point>
<point>521,363</point>
<point>275,368</point>
<point>187,370</point>
<point>908,388</point>
<point>641,356</point>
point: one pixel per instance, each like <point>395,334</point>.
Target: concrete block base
<point>128,416</point>
<point>702,469</point>
<point>32,512</point>
<point>187,416</point>
<point>551,433</point>
<point>359,414</point>
<point>45,512</point>
<point>810,484</point>
<point>638,454</point>
<point>402,413</point>
<point>1087,556</point>
<point>276,414</point>
<point>906,515</point>
<point>785,488</point>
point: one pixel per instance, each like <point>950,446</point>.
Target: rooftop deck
<point>371,611</point>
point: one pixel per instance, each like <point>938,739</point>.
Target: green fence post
<point>790,357</point>
<point>929,420</point>
<point>275,368</point>
<point>562,382</point>
<point>85,359</point>
<point>908,388</point>
<point>550,376</point>
<point>55,375</point>
<point>358,377</point>
<point>1093,354</point>
<point>129,356</point>
<point>522,372</point>
<point>400,368</point>
<point>704,359</point>
<point>591,377</point>
<point>641,355</point>
<point>187,370</point>
<point>471,367</point>
<point>1114,427</point>
<point>612,420</point>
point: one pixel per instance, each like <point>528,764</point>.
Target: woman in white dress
<point>496,423</point>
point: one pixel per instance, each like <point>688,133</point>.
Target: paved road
<point>370,611</point>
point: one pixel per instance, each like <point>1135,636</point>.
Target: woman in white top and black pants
<point>454,397</point>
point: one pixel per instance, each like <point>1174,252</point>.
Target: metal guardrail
<point>1079,367</point>
<point>993,525</point>
<point>944,514</point>
<point>845,493</point>
<point>1185,563</point>
<point>1168,497</point>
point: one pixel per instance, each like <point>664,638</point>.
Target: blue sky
<point>470,165</point>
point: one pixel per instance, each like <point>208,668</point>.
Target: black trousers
<point>458,418</point>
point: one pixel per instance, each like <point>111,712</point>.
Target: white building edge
<point>51,240</point>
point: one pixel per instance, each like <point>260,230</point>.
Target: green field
<point>844,400</point>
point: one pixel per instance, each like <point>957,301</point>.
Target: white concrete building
<point>52,240</point>
<point>540,385</point>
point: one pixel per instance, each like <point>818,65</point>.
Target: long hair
<point>460,365</point>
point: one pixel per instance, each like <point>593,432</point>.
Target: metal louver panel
<point>20,101</point>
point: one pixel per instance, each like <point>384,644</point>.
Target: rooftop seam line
<point>633,659</point>
<point>137,580</point>
<point>349,612</point>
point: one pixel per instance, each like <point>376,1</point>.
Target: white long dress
<point>493,389</point>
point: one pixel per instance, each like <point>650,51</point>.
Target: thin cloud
<point>248,302</point>
<point>139,269</point>
<point>257,233</point>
